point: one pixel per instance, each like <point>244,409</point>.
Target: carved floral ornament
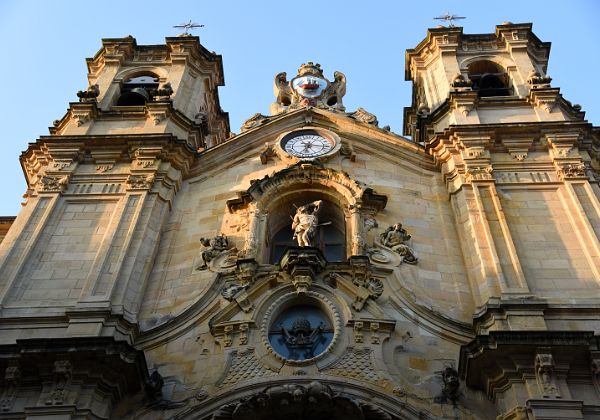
<point>50,183</point>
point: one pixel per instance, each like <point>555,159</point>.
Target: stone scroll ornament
<point>396,238</point>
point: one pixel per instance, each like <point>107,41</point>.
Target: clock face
<point>307,144</point>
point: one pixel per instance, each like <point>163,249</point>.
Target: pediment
<point>355,135</point>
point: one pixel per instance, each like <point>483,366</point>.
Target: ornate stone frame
<point>294,159</point>
<point>359,202</point>
<point>282,303</point>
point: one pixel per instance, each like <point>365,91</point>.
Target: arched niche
<point>127,80</point>
<point>489,78</point>
<point>333,217</point>
<point>347,204</point>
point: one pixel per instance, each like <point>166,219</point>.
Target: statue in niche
<point>305,223</point>
<point>396,238</point>
<point>214,248</point>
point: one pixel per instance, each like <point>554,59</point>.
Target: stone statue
<point>451,384</point>
<point>396,237</point>
<point>89,95</point>
<point>305,223</point>
<point>215,247</point>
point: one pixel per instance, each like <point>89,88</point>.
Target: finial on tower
<point>449,18</point>
<point>189,26</point>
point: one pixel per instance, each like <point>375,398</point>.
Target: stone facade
<point>153,271</point>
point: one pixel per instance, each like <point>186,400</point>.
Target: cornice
<point>379,142</point>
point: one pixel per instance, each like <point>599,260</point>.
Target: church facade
<point>316,265</point>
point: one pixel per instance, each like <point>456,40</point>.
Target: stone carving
<point>256,120</point>
<point>367,285</point>
<point>301,339</point>
<point>357,363</point>
<point>451,384</point>
<point>242,279</point>
<point>347,151</point>
<point>375,339</point>
<point>156,116</point>
<point>227,338</point>
<point>396,237</point>
<point>62,378</point>
<point>308,88</point>
<point>336,90</point>
<point>243,366</point>
<point>267,153</point>
<point>274,310</point>
<point>595,366</point>
<point>479,174</point>
<point>140,182</point>
<point>12,377</point>
<point>89,95</point>
<point>367,288</point>
<point>544,372</point>
<point>286,401</point>
<point>305,223</point>
<point>572,170</point>
<point>459,81</point>
<point>81,116</point>
<point>358,334</point>
<point>163,93</point>
<point>153,387</point>
<point>243,330</point>
<point>363,116</point>
<point>216,247</point>
<point>535,79</point>
<point>48,183</point>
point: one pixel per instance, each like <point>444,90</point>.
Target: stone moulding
<point>376,402</point>
<point>292,400</point>
<point>110,370</point>
<point>506,356</point>
<point>263,189</point>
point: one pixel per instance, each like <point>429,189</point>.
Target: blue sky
<point>43,45</point>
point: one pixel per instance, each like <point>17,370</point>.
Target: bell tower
<point>170,88</point>
<point>517,161</point>
<point>467,79</point>
<point>100,190</point>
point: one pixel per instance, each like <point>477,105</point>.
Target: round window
<point>301,332</point>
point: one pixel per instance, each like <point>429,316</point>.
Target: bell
<point>135,97</point>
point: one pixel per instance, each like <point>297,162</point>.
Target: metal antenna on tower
<point>449,18</point>
<point>188,27</point>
